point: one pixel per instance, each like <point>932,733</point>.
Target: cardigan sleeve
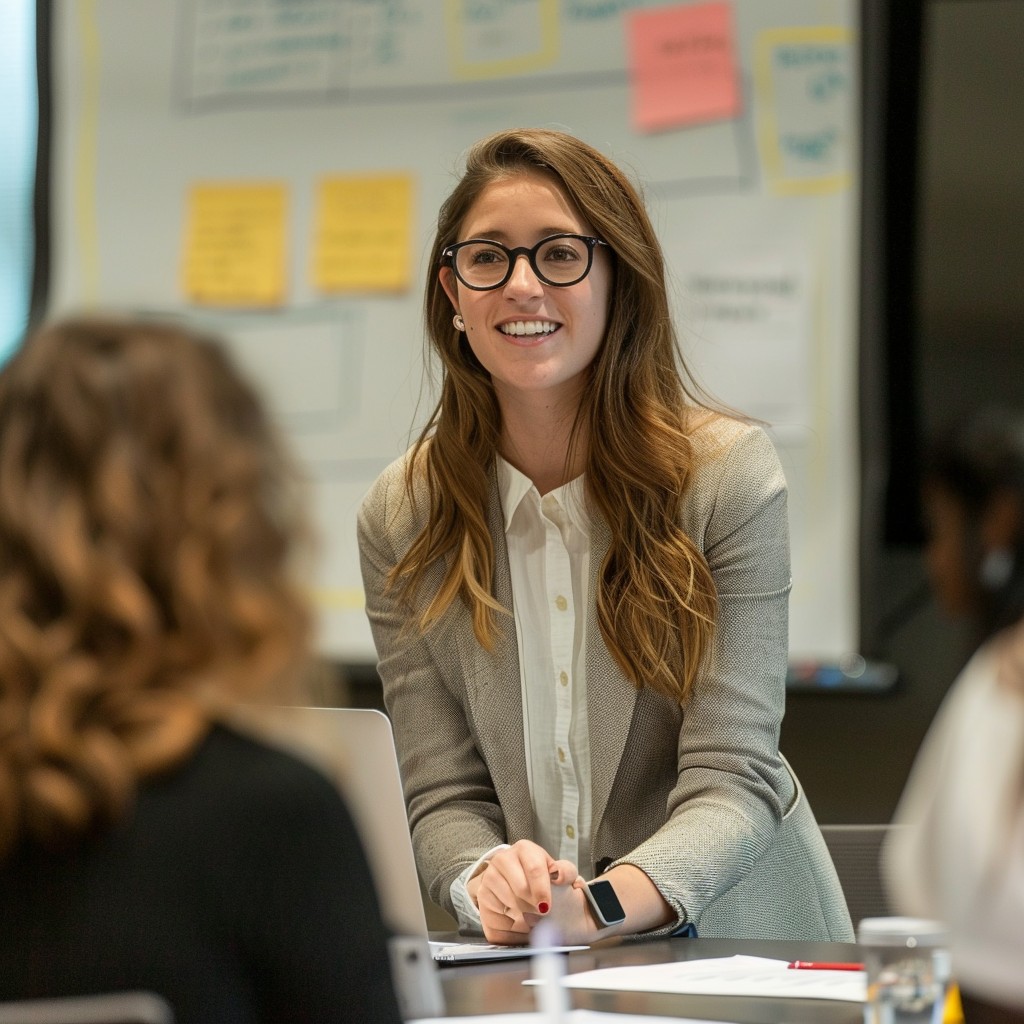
<point>454,812</point>
<point>732,787</point>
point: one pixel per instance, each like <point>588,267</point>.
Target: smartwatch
<point>604,903</point>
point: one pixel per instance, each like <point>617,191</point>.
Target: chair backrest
<point>108,1008</point>
<point>856,853</point>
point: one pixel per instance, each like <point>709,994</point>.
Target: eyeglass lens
<point>562,260</point>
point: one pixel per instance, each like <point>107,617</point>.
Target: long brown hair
<point>147,521</point>
<point>656,602</point>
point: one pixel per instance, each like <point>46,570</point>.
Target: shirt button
<point>560,603</point>
<point>563,678</point>
<point>561,755</point>
<point>570,831</point>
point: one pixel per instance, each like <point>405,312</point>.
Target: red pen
<point>821,965</point>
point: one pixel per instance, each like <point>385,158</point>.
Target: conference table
<point>497,986</point>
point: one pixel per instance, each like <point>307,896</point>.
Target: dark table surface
<point>493,987</point>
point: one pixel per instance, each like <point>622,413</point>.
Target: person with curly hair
<point>149,526</point>
<point>577,581</point>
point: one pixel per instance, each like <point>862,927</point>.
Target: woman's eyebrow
<point>500,235</point>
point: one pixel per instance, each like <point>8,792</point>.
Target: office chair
<point>856,852</point>
<point>108,1008</point>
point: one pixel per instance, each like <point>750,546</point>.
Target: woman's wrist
<point>644,906</point>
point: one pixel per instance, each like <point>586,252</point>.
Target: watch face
<point>605,904</point>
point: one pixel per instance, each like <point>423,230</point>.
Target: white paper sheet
<point>727,976</point>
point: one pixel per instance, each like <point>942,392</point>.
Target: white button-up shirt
<point>548,540</point>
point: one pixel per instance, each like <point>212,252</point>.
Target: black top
<point>237,890</point>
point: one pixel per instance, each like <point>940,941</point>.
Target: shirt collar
<point>514,486</point>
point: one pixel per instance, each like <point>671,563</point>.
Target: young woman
<point>147,528</point>
<point>961,860</point>
<point>577,582</point>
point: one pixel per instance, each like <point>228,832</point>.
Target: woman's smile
<point>529,331</point>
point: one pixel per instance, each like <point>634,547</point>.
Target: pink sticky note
<point>683,65</point>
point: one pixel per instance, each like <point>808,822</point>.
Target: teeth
<point>528,327</point>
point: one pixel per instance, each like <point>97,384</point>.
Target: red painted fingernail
<point>543,907</point>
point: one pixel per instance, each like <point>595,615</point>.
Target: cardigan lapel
<point>611,698</point>
<point>498,698</point>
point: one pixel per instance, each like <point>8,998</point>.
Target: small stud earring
<point>460,324</point>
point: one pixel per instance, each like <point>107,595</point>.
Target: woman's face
<point>946,555</point>
<point>535,340</point>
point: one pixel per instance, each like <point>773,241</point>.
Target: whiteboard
<point>757,212</point>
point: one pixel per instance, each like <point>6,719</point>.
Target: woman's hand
<point>514,890</point>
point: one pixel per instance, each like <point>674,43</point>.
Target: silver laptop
<point>363,742</point>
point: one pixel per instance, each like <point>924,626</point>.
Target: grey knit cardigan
<point>697,795</point>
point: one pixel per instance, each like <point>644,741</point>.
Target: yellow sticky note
<point>235,251</point>
<point>363,234</point>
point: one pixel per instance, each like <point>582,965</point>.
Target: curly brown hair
<point>657,604</point>
<point>148,520</point>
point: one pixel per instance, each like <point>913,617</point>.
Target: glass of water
<point>907,964</point>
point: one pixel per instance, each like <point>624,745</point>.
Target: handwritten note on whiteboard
<point>235,251</point>
<point>804,80</point>
<point>683,65</point>
<point>233,50</point>
<point>493,40</point>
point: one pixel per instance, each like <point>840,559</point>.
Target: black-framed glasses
<point>559,260</point>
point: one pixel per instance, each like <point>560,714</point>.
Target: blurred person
<point>961,858</point>
<point>149,525</point>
